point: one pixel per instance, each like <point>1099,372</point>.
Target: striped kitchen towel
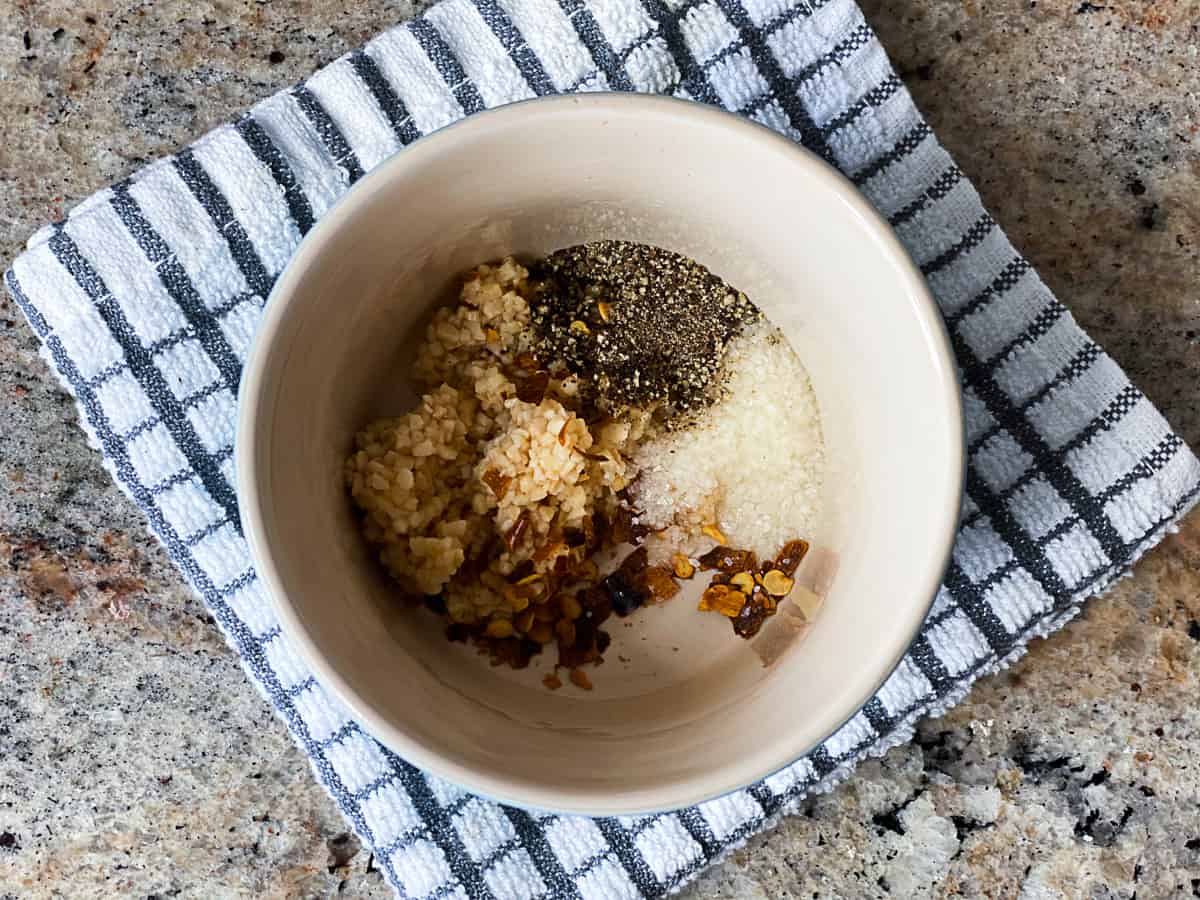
<point>147,296</point>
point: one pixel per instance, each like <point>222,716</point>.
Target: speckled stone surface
<point>136,760</point>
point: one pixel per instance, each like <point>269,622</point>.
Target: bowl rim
<point>684,792</point>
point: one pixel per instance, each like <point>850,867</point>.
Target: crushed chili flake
<point>660,583</point>
<point>532,389</point>
<point>514,534</point>
<point>743,590</point>
<point>728,560</point>
<point>497,482</point>
<point>790,557</point>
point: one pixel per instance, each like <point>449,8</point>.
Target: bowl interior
<point>695,711</point>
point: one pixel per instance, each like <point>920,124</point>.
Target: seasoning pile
<point>612,395</point>
<point>643,326</point>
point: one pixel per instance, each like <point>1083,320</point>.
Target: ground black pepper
<point>640,325</point>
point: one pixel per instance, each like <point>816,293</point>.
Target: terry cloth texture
<point>147,297</point>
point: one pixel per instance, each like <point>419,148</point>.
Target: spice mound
<point>641,324</point>
<point>525,499</point>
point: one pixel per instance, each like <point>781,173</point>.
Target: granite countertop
<point>135,759</point>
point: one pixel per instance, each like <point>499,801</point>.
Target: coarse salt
<point>752,462</point>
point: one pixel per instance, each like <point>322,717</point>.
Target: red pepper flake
<point>497,482</point>
<point>514,535</point>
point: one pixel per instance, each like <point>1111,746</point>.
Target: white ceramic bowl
<point>697,712</point>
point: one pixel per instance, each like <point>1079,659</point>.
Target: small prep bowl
<point>696,712</point>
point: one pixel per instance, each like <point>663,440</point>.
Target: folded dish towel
<point>147,296</point>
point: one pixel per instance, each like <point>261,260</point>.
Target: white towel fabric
<point>147,296</point>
